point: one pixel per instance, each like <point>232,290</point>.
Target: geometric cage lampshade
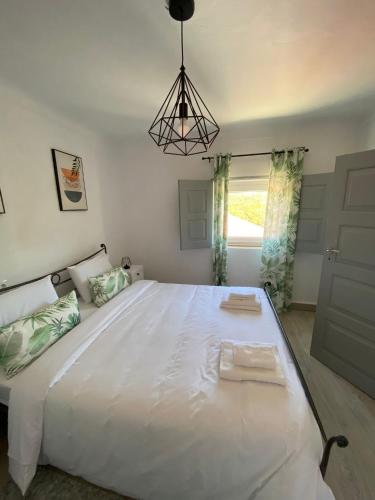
<point>184,124</point>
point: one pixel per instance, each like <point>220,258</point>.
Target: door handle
<point>334,251</point>
<point>332,254</point>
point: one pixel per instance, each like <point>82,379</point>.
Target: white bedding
<point>86,309</point>
<point>131,399</point>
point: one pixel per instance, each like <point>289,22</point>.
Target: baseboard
<point>302,306</point>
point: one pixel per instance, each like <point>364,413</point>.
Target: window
<point>246,211</point>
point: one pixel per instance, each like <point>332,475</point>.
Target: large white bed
<point>131,400</point>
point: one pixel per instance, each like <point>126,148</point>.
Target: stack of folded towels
<point>242,302</point>
<point>251,361</point>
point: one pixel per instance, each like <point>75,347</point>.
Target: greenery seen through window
<point>249,206</point>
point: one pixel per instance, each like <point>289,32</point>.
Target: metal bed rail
<point>56,276</point>
<point>340,440</point>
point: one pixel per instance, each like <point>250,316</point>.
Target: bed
<point>131,400</point>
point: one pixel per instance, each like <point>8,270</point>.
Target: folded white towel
<point>255,355</point>
<point>229,371</point>
<point>243,296</point>
<point>241,305</point>
<point>249,302</point>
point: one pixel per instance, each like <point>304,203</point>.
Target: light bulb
<point>183,128</point>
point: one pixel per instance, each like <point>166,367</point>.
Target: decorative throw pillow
<point>81,272</point>
<point>107,285</point>
<point>24,340</point>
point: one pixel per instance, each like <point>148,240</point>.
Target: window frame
<point>238,185</point>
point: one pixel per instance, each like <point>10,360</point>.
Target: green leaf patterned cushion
<point>27,338</point>
<point>107,285</point>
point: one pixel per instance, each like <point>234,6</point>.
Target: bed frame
<point>341,441</point>
<point>57,278</point>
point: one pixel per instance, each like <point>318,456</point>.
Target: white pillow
<point>26,299</point>
<point>81,273</point>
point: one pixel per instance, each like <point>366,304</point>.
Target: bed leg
<point>341,442</point>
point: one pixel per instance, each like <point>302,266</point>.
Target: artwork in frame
<point>70,181</point>
<point>2,206</point>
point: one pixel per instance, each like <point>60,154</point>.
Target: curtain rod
<point>209,158</point>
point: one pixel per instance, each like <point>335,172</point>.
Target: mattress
<point>131,400</point>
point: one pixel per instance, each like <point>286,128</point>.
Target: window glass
<point>246,211</point>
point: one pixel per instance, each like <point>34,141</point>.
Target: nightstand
<point>136,272</point>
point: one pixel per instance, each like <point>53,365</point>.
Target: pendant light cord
<point>182,44</point>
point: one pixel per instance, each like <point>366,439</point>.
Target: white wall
<point>132,193</point>
<point>370,133</point>
<point>145,223</point>
<point>35,236</point>
<point>141,211</point>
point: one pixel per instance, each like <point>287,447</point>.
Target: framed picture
<point>70,182</point>
<point>2,207</point>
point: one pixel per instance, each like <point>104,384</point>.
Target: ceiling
<point>110,63</point>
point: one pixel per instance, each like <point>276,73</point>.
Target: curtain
<point>280,226</point>
<point>221,181</point>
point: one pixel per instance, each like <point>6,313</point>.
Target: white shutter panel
<point>311,232</point>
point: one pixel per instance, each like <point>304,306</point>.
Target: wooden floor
<point>343,410</point>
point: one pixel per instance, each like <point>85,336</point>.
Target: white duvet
<point>131,400</point>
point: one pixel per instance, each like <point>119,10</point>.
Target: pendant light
<point>183,125</point>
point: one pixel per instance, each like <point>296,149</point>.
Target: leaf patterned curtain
<point>221,181</point>
<point>280,227</point>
